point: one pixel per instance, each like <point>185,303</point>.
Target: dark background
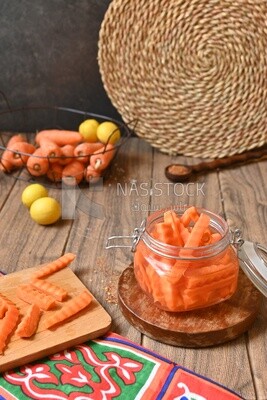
<point>48,54</point>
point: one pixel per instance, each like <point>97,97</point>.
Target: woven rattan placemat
<point>193,73</point>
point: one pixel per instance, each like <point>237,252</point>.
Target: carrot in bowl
<point>60,137</point>
<point>31,295</point>
<point>37,164</point>
<point>101,159</point>
<point>91,175</point>
<point>54,266</point>
<point>15,139</point>
<point>29,323</point>
<point>50,149</point>
<point>6,161</point>
<point>72,307</point>
<point>55,172</point>
<point>21,152</point>
<point>50,288</point>
<point>67,154</point>
<point>84,150</point>
<point>75,169</point>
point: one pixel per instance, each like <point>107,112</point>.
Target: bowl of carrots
<point>57,150</point>
<point>184,260</point>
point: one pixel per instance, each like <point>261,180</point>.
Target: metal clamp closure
<point>134,238</point>
<point>236,238</point>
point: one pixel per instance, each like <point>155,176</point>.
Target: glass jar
<point>183,279</point>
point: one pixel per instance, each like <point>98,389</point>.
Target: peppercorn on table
<point>134,187</point>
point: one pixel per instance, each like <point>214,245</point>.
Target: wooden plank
<point>120,201</point>
<point>87,324</point>
<point>203,191</point>
<point>24,243</point>
<point>245,203</point>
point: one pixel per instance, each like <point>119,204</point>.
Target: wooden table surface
<point>135,186</point>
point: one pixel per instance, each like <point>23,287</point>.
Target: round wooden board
<point>200,328</point>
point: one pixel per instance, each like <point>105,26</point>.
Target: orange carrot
<point>71,308</point>
<point>21,151</point>
<point>50,149</point>
<point>101,159</point>
<point>60,137</point>
<point>8,323</point>
<point>53,290</point>
<point>29,322</point>
<point>3,308</point>
<point>171,218</point>
<point>75,169</point>
<point>30,295</point>
<point>84,150</point>
<point>15,139</point>
<point>215,237</point>
<point>91,174</point>
<point>6,161</point>
<point>198,230</point>
<point>67,154</point>
<point>55,172</point>
<point>189,215</point>
<point>54,266</point>
<point>37,164</point>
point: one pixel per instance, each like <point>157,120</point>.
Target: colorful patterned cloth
<point>110,367</point>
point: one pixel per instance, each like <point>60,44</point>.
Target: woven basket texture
<point>192,73</point>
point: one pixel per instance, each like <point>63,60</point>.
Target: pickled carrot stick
<point>50,149</point>
<point>54,266</point>
<point>189,215</point>
<point>71,308</point>
<point>49,288</point>
<point>3,307</point>
<point>15,139</point>
<point>29,322</point>
<point>8,323</point>
<point>31,295</point>
<point>198,230</point>
<point>171,218</point>
<point>215,237</point>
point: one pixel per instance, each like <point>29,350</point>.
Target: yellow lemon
<point>32,193</point>
<point>108,132</point>
<point>88,130</point>
<point>45,211</point>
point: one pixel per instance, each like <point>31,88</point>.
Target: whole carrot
<point>67,154</point>
<point>37,164</point>
<point>50,149</point>
<point>101,159</point>
<point>21,152</point>
<point>75,170</point>
<point>91,174</point>
<point>55,172</point>
<point>84,150</point>
<point>60,137</point>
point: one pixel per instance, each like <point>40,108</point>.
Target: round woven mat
<point>193,73</point>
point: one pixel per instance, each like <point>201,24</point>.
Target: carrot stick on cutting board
<point>3,307</point>
<point>54,266</point>
<point>8,323</point>
<point>29,322</point>
<point>31,295</point>
<point>71,308</point>
<point>49,288</point>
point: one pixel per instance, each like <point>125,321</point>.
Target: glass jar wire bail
<point>134,239</point>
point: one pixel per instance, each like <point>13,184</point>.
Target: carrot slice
<point>84,150</point>
<point>54,266</point>
<point>49,288</point>
<point>8,323</point>
<point>29,322</point>
<point>31,295</point>
<point>75,305</point>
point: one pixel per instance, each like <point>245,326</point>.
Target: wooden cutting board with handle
<point>89,323</point>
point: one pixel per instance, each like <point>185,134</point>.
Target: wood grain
<point>87,324</point>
